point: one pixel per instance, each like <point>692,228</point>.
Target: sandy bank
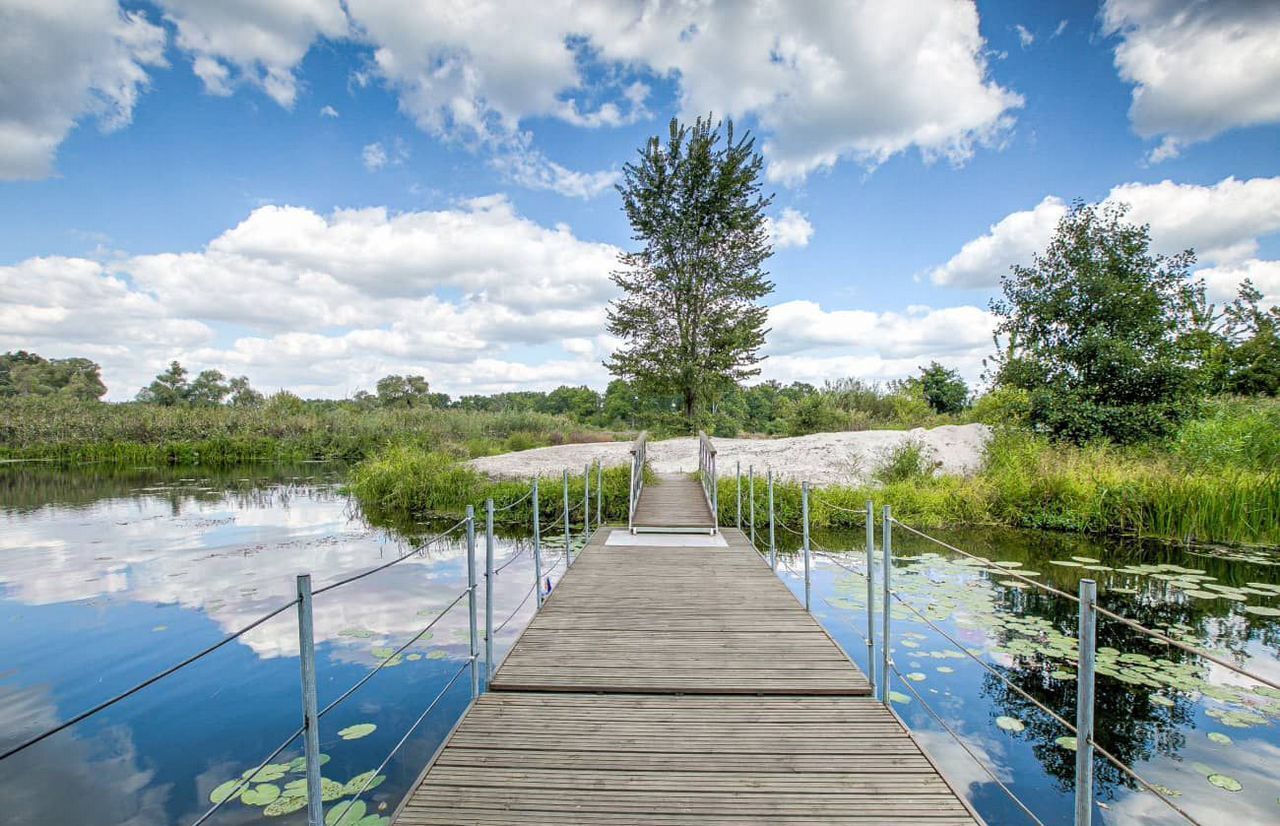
<point>822,458</point>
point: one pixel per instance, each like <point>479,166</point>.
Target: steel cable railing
<point>104,705</point>
<point>340,816</point>
<point>386,565</point>
<point>390,657</point>
<point>639,459</point>
<point>1112,615</point>
<point>246,779</point>
<point>1082,730</point>
<point>303,603</point>
<point>960,742</point>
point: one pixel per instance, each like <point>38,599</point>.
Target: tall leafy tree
<point>168,388</point>
<point>1099,330</point>
<point>209,388</point>
<point>689,317</point>
<point>403,391</point>
<point>29,374</point>
<point>943,389</point>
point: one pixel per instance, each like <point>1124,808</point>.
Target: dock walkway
<point>678,685</point>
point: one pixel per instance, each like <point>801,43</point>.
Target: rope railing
<point>511,505</point>
<point>386,565</point>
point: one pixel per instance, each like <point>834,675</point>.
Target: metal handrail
<point>1089,611</point>
<point>707,475</point>
<point>639,456</point>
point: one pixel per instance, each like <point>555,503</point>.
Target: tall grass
<point>283,429</point>
<point>405,483</point>
<point>1030,482</point>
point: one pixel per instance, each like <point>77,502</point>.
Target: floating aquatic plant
<point>357,731</point>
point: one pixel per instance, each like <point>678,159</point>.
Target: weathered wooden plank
<point>676,686</point>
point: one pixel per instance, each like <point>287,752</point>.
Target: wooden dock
<point>675,502</point>
<point>678,685</point>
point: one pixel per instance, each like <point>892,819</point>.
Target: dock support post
<point>537,545</point>
<point>310,718</point>
<point>471,599</point>
<point>737,481</point>
<point>871,592</point>
<point>488,590</point>
<point>886,536</point>
<point>568,554</point>
<point>751,501</point>
<point>1084,703</point>
<point>773,546</point>
<point>804,508</point>
<point>586,501</point>
<point>599,493</point>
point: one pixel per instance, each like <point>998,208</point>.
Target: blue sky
<point>316,194</point>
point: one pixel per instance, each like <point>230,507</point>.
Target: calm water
<point>108,576</point>
<point>1177,719</point>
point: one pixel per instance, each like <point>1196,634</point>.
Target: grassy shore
<point>285,429</point>
<point>1218,480</point>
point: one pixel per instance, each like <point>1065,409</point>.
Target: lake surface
<point>109,575</point>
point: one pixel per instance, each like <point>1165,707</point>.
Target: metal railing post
<point>471,599</point>
<point>773,545</point>
<point>599,493</point>
<point>1084,703</point>
<point>568,554</point>
<point>751,501</point>
<point>886,536</point>
<point>715,492</point>
<point>586,501</point>
<point>804,509</point>
<point>737,479</point>
<point>310,718</point>
<point>871,592</point>
<point>488,590</point>
<point>537,545</point>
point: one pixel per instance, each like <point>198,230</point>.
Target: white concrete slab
<point>621,536</point>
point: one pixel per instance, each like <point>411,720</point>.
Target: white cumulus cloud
<point>62,61</point>
<point>1198,68</point>
<point>1222,223</point>
<point>790,229</point>
<point>258,42</point>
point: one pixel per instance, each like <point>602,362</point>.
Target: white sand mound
<point>822,458</point>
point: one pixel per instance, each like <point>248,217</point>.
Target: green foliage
<point>689,316</point>
<point>208,389</point>
<point>905,462</point>
<point>1238,433</point>
<point>404,483</point>
<point>28,374</point>
<point>403,391</point>
<point>816,413</point>
<point>283,427</point>
<point>942,388</point>
<point>1002,407</point>
<point>1101,333</point>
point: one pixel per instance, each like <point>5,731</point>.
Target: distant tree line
<point>27,374</point>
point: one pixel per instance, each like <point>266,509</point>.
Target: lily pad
<point>355,784</point>
<point>916,676</point>
<point>226,790</point>
<point>357,731</point>
<point>299,764</point>
<point>1065,563</point>
<point>1261,610</point>
<point>1011,724</point>
<point>1067,743</point>
<point>944,669</point>
<point>268,773</point>
<point>285,805</point>
<point>899,698</point>
<point>438,654</point>
<point>1219,738</point>
<point>260,795</point>
<point>1222,781</point>
<point>346,813</point>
